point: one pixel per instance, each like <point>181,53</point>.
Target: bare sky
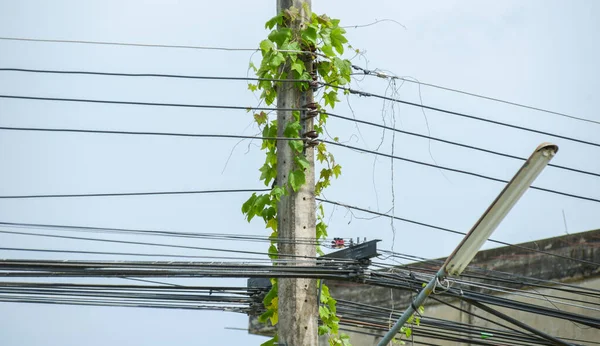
<point>541,53</point>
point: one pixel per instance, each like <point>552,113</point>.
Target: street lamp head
<point>512,192</point>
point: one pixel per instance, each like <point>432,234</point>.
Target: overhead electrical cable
<point>284,138</point>
<point>158,245</point>
<point>378,73</point>
<point>448,230</point>
<point>132,103</point>
<point>147,45</point>
<point>464,115</point>
<point>455,170</point>
<point>353,91</point>
<point>152,75</point>
<point>163,233</point>
<point>122,194</point>
<point>369,123</point>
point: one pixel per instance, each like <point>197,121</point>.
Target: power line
<point>150,232</point>
<point>464,115</point>
<point>386,76</point>
<point>131,44</point>
<point>105,43</point>
<point>496,275</point>
<point>136,243</point>
<point>403,282</point>
<point>366,72</point>
<point>155,193</point>
<point>448,230</point>
<point>154,75</point>
<point>280,138</point>
<point>453,143</point>
<point>106,253</point>
<point>287,80</point>
<point>105,269</point>
<point>188,247</point>
<point>455,170</point>
<point>56,99</point>
<point>361,93</point>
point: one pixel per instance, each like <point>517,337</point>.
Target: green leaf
<point>266,45</point>
<point>321,230</point>
<point>252,66</point>
<point>325,295</point>
<point>298,66</point>
<point>248,204</point>
<point>323,312</point>
<point>269,213</point>
<point>271,295</point>
<point>280,35</point>
<point>296,179</point>
<point>302,162</point>
<point>277,192</point>
<point>263,318</point>
<point>278,19</point>
<point>271,158</point>
<point>337,170</point>
<point>331,98</point>
<point>270,342</point>
<point>260,118</point>
<point>252,87</point>
<point>272,129</point>
<point>273,251</point>
<point>277,59</point>
<point>331,303</point>
<point>272,224</point>
<point>326,173</point>
<point>309,35</point>
<point>292,129</point>
<point>259,204</point>
<point>323,117</point>
<point>321,156</point>
<point>269,96</point>
<point>264,170</point>
<point>328,50</point>
<point>338,39</point>
<point>323,329</point>
<point>297,146</point>
<point>324,68</point>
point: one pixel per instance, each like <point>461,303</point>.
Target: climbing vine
<point>285,54</point>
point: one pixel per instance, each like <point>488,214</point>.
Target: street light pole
<point>481,231</point>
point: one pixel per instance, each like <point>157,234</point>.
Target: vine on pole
<point>283,56</point>
<point>284,53</point>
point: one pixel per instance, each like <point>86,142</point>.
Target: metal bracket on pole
<point>362,252</point>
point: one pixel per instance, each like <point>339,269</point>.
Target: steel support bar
<point>418,301</point>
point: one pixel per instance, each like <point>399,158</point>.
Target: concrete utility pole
<point>298,310</point>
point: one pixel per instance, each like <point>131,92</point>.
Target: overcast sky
<point>539,53</point>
